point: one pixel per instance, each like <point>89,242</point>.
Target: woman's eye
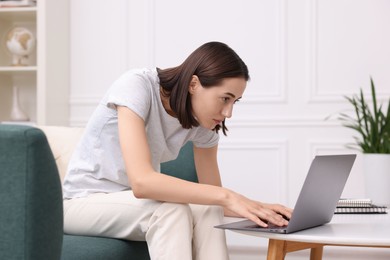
<point>227,99</point>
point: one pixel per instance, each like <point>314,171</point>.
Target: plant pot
<point>377,177</point>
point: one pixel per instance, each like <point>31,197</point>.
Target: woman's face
<point>212,105</point>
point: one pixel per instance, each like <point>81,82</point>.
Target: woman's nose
<point>227,111</point>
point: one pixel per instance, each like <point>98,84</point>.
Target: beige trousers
<point>171,230</point>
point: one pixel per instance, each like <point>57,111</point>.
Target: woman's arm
<point>147,183</point>
<point>207,170</point>
<point>207,166</point>
<point>208,173</point>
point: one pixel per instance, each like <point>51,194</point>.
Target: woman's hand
<point>258,212</point>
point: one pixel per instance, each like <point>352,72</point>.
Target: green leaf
<point>373,126</point>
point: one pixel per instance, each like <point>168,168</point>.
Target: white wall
<point>303,56</point>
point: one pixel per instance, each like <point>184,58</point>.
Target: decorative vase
<point>17,113</point>
<point>377,177</point>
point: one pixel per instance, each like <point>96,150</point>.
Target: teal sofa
<point>32,164</point>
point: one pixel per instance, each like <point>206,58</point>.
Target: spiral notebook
<point>359,206</point>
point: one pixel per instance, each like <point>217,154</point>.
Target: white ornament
<point>17,114</point>
<point>20,43</point>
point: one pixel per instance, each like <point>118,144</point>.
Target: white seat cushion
<point>62,141</point>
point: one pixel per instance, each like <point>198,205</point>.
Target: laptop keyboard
<point>270,226</point>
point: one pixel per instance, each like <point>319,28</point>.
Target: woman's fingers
<point>253,212</point>
<point>257,220</point>
<point>282,210</point>
<point>272,214</point>
<point>260,213</point>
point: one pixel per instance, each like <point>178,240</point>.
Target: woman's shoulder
<point>136,80</point>
<point>204,138</point>
<point>135,89</point>
<point>140,74</point>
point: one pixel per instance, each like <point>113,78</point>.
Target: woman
<point>113,187</point>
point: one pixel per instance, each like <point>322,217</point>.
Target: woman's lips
<point>218,122</point>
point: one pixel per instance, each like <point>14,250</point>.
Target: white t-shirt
<point>97,164</point>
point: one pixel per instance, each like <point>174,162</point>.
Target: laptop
<point>317,200</point>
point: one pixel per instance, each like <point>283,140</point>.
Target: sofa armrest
<point>31,218</point>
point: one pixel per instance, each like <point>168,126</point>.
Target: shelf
<point>12,72</point>
<point>18,9</point>
<point>28,123</point>
<point>44,83</point>
<point>20,14</point>
<point>9,69</point>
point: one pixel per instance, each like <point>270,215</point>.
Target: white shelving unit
<point>44,83</point>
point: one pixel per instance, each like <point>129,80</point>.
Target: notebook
<point>359,206</point>
<point>317,200</point>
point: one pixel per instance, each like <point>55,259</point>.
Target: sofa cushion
<point>183,167</point>
<point>98,248</point>
<point>62,140</point>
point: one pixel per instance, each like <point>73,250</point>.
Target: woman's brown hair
<point>211,63</point>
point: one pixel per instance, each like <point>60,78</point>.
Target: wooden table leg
<point>277,249</point>
<point>316,253</point>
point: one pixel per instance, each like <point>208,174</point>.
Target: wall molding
<point>314,94</point>
<point>317,147</point>
<point>277,122</point>
<point>152,33</point>
<point>278,145</point>
<point>281,54</point>
<point>84,101</point>
<point>88,103</point>
<point>281,65</point>
<point>258,144</point>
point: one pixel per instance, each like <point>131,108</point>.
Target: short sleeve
<point>205,138</point>
<point>131,90</point>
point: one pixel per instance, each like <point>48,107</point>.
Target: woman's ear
<point>194,83</point>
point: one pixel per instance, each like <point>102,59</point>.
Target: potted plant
<point>373,128</point>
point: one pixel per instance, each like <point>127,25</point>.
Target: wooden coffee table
<point>361,230</point>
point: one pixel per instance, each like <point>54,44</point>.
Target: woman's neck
<point>165,103</point>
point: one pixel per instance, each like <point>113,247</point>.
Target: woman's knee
<point>171,217</point>
<point>174,209</point>
<point>208,213</point>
